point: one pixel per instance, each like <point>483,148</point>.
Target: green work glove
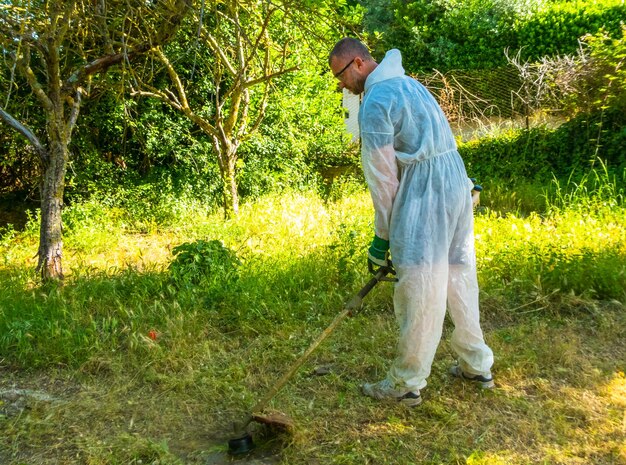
<point>378,253</point>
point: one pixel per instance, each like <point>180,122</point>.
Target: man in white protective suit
<point>423,216</point>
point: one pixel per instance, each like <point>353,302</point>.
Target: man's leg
<point>420,306</point>
<point>475,357</point>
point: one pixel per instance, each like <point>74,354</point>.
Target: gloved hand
<point>378,252</point>
<point>476,189</point>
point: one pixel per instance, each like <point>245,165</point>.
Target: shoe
<point>384,390</point>
<point>483,381</point>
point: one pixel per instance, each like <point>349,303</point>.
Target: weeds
<point>597,192</point>
<point>201,260</point>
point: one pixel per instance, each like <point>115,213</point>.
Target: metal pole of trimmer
<point>349,308</point>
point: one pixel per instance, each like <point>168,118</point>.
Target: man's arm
<point>381,173</point>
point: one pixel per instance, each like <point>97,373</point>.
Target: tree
<point>58,48</point>
<point>222,76</point>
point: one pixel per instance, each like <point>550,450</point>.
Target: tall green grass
<point>597,192</point>
<point>567,237</point>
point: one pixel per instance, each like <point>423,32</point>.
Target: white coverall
<point>423,206</point>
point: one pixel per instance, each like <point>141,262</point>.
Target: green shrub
<point>450,34</point>
<point>512,154</point>
<point>201,261</point>
<point>7,234</point>
<point>556,27</point>
<point>454,34</point>
<point>608,55</point>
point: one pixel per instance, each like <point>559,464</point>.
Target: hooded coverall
<point>423,206</point>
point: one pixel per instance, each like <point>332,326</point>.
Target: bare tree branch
<point>180,90</point>
<point>269,77</point>
<point>260,114</point>
<point>165,31</point>
<point>153,92</point>
<point>261,35</point>
<point>23,63</point>
<point>26,132</point>
<point>75,106</point>
<point>220,53</point>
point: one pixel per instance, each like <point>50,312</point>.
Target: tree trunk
<point>52,187</point>
<point>227,160</point>
<point>231,196</point>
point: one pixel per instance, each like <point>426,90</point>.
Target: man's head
<point>351,63</point>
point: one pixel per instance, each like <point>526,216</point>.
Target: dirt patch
<point>13,401</point>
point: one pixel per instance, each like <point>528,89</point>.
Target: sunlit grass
<point>566,251</point>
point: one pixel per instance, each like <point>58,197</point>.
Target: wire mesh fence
<point>470,95</point>
<point>517,95</point>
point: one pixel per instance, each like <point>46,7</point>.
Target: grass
<point>139,364</point>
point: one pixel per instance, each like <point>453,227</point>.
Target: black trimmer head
<point>242,442</point>
<point>241,445</point>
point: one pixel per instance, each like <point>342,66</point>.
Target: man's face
<point>349,72</point>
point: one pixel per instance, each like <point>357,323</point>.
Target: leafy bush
<point>556,28</point>
<point>19,164</point>
<point>512,154</point>
<point>303,134</point>
<point>608,55</point>
<point>125,146</point>
<point>455,34</point>
<point>202,261</point>
<point>7,233</point>
<point>450,34</point>
<point>269,161</point>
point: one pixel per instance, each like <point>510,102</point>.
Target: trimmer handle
<point>381,275</point>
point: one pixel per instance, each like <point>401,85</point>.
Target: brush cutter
<point>242,443</point>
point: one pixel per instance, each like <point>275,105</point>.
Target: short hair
<point>349,47</point>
